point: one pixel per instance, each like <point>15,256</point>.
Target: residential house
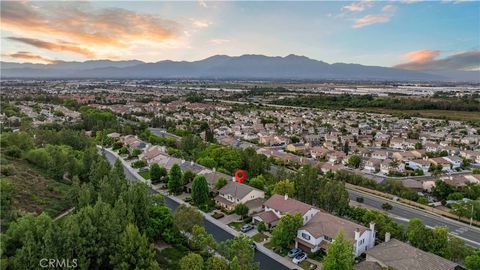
<point>395,254</point>
<point>319,232</point>
<point>389,166</point>
<point>379,154</point>
<point>278,205</point>
<point>234,193</point>
<point>372,165</point>
<point>419,164</point>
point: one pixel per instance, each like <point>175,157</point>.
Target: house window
<point>327,238</point>
<point>305,236</point>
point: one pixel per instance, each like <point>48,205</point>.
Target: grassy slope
<point>35,192</point>
<point>451,115</point>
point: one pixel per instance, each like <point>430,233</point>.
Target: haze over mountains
<point>255,67</point>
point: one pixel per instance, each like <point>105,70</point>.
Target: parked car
<point>247,227</point>
<point>253,246</point>
<point>294,252</point>
<point>300,258</point>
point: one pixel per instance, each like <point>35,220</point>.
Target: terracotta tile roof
<point>323,223</point>
<point>402,256</point>
<point>287,205</point>
<point>268,216</point>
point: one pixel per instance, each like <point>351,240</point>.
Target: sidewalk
<point>260,248</point>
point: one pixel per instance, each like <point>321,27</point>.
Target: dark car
<point>294,252</point>
<point>245,228</point>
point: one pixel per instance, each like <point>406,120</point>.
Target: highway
<point>402,214</point>
<point>266,263</point>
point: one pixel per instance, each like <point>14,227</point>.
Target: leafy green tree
<point>200,190</point>
<point>417,234</point>
<point>186,217</point>
<point>157,173</point>
<point>192,261</point>
<point>6,197</point>
<point>284,187</point>
<point>221,182</point>
<point>332,196</point>
<point>216,263</point>
<point>133,251</point>
<point>472,262</point>
<point>339,254</point>
<point>354,161</point>
<point>456,249</point>
<point>138,200</point>
<point>258,182</point>
<point>201,240</point>
<point>286,230</point>
<point>241,210</point>
<point>441,190</point>
<point>188,177</point>
<point>239,251</point>
<point>175,179</point>
<point>160,218</point>
<point>261,227</point>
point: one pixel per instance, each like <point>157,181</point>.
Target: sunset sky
<point>407,34</point>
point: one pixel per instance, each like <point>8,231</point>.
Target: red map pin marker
<point>240,175</point>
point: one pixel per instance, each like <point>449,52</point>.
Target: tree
<point>216,263</point>
<point>456,249</point>
<point>284,187</point>
<point>441,190</point>
<point>201,240</point>
<point>175,179</point>
<point>241,210</point>
<point>6,195</point>
<point>156,173</point>
<point>354,161</point>
<point>192,261</point>
<point>186,217</point>
<point>261,227</point>
<point>417,234</point>
<point>472,262</point>
<point>240,252</point>
<point>200,190</point>
<point>133,251</point>
<point>339,254</point>
<point>346,148</point>
<point>306,183</point>
<point>119,169</point>
<point>188,177</point>
<point>160,219</point>
<point>332,196</point>
<point>257,182</point>
<point>221,182</point>
<point>286,230</point>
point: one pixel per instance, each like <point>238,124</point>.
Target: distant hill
<point>253,67</point>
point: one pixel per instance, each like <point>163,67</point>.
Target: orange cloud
<point>371,19</point>
<point>60,46</point>
<point>429,60</point>
<point>28,56</point>
<point>420,56</point>
<point>78,23</point>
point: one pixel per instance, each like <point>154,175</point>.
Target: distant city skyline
<point>415,35</point>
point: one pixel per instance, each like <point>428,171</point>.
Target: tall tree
<point>200,190</point>
<point>306,183</point>
<point>339,254</point>
<point>286,230</point>
<point>175,179</point>
<point>332,196</point>
<point>186,217</point>
<point>216,263</point>
<point>156,173</point>
<point>201,240</point>
<point>192,261</point>
<point>240,252</point>
<point>284,187</point>
<point>242,210</point>
<point>133,251</point>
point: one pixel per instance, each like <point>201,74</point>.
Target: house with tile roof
<point>234,193</point>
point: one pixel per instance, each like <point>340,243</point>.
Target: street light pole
<point>471,217</point>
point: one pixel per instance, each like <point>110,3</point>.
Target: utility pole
<point>471,217</point>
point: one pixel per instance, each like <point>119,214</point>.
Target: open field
<point>450,115</point>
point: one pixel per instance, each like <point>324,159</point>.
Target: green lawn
<point>168,258</point>
<point>145,174</point>
<point>236,225</point>
<point>307,266</point>
<point>280,251</point>
<point>259,237</point>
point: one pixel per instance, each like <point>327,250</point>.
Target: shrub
<point>139,164</point>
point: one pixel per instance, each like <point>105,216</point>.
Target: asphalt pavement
<point>402,214</point>
<point>266,263</point>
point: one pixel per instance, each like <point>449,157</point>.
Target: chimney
<point>214,169</point>
<point>357,233</point>
<point>191,162</point>
<point>286,196</point>
<point>387,237</point>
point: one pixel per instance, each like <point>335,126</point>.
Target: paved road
<point>403,214</point>
<point>266,263</point>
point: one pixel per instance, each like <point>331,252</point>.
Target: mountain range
<point>222,67</point>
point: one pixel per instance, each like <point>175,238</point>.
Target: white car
<point>300,258</point>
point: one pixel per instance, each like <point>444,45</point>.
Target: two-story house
<point>234,193</point>
<point>320,231</point>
